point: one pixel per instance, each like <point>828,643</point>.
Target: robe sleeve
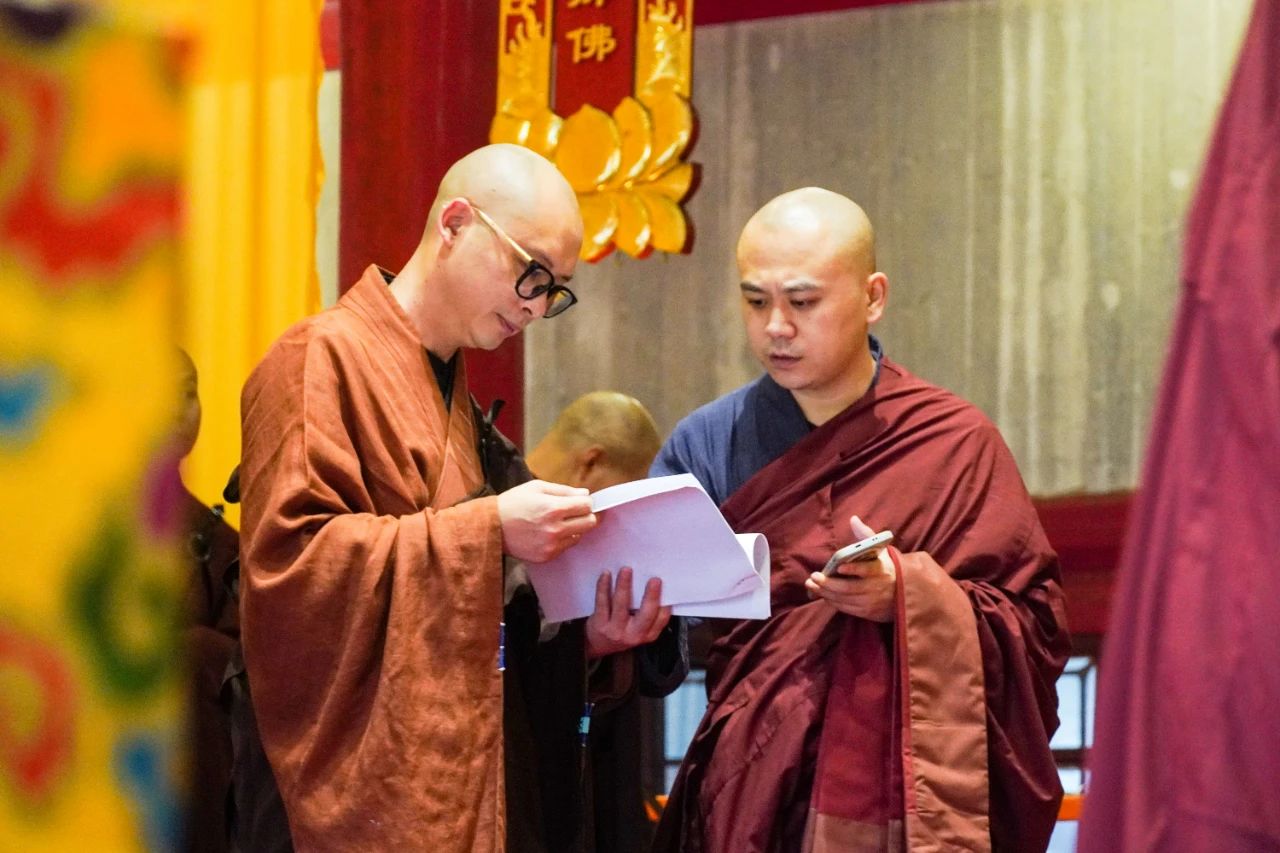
<point>1023,649</point>
<point>352,616</point>
<point>1011,576</point>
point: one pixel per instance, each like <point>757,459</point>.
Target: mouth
<point>782,360</point>
<point>507,328</point>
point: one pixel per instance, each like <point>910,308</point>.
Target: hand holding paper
<point>617,624</point>
<point>666,528</point>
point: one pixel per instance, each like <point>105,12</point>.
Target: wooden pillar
<point>419,81</point>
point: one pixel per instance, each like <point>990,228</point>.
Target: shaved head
<point>513,184</point>
<point>497,211</point>
<point>813,220</point>
<point>810,291</point>
<point>188,415</point>
<point>600,439</point>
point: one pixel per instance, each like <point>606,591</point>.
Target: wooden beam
<point>709,12</point>
<point>1088,533</point>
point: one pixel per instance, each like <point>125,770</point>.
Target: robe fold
<point>372,590</point>
<point>826,732</point>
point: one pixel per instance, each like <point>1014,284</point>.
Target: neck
<point>412,289</point>
<point>822,404</point>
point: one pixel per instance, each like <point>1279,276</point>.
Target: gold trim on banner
<point>664,46</point>
<point>627,167</point>
<point>524,77</point>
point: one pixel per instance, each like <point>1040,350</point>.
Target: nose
<point>532,309</point>
<point>779,326</point>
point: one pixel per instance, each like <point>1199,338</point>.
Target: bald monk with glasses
<point>373,541</point>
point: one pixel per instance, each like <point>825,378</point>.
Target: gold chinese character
<point>593,42</point>
<point>573,4</point>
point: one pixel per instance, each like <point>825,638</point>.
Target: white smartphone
<point>867,549</point>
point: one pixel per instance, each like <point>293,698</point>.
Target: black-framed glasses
<point>536,279</point>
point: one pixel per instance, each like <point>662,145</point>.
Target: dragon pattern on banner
<point>91,140</point>
<point>617,121</point>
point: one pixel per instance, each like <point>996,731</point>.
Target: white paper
<point>663,527</point>
<point>752,604</point>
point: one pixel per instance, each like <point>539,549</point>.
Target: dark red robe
<point>829,732</point>
<point>1186,755</point>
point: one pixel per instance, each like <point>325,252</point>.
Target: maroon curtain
<point>419,82</point>
<point>1187,755</point>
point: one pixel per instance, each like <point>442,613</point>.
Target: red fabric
<point>917,460</point>
<point>419,85</point>
<point>1186,755</point>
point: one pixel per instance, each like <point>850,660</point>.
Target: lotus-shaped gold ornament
<point>626,167</point>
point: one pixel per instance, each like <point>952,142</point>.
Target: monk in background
<point>209,637</point>
<point>372,545</point>
<point>908,701</point>
<point>600,440</point>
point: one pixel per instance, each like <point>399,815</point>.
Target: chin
<point>787,379</point>
<point>487,340</point>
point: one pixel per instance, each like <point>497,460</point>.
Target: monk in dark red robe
<point>372,562</point>
<point>908,702</point>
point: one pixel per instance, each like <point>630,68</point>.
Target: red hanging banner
<point>601,88</point>
<point>595,46</point>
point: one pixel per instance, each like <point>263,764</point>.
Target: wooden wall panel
<point>1027,164</point>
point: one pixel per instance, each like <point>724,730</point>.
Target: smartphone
<point>867,549</point>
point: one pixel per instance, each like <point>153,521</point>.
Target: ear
<point>877,291</point>
<point>453,216</point>
<point>586,461</point>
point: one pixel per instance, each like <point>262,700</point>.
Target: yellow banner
<point>91,143</point>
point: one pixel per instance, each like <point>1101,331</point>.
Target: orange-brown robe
<point>371,596</point>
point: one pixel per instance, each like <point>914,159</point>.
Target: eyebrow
<point>796,287</point>
<point>801,287</point>
<point>544,260</point>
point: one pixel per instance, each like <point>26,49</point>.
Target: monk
<point>372,550</point>
<point>908,702</point>
<point>209,637</point>
<point>602,439</point>
<point>585,806</point>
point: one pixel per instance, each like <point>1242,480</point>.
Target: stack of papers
<point>667,528</point>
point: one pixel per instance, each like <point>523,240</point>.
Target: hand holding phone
<point>865,549</point>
